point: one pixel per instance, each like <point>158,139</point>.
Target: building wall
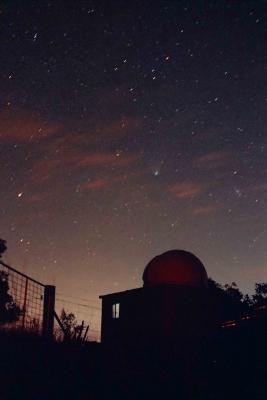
<point>156,317</point>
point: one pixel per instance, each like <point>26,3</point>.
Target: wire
<point>78,304</point>
<point>78,298</point>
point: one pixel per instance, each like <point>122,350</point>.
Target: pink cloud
<point>75,159</point>
<point>185,189</point>
<point>66,153</point>
<point>35,198</point>
<point>95,159</point>
<point>205,210</point>
<point>99,183</point>
<point>21,126</point>
<point>108,132</point>
<point>214,157</point>
<point>260,187</point>
<point>119,127</point>
<point>44,169</point>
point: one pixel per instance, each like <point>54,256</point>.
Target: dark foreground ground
<point>231,365</point>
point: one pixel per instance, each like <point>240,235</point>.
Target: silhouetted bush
<point>9,311</point>
<point>2,247</point>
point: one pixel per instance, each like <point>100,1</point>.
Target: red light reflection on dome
<point>175,267</point>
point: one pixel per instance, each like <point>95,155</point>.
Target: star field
<point>130,129</point>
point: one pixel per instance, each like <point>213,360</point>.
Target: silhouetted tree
<point>2,247</point>
<point>260,296</point>
<point>9,311</point>
<point>68,321</point>
<point>248,301</point>
<point>72,330</point>
<point>213,285</point>
<point>231,303</point>
<point>233,292</point>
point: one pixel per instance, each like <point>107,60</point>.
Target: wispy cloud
<point>118,128</point>
<point>35,198</point>
<point>45,169</point>
<point>185,190</point>
<point>99,183</point>
<point>96,159</point>
<point>205,210</point>
<point>58,150</point>
<point>22,126</point>
<point>261,187</point>
<point>214,158</point>
<point>76,159</point>
<point>115,130</point>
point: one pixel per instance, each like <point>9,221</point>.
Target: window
<point>116,310</point>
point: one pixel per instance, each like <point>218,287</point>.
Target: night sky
<point>128,129</point>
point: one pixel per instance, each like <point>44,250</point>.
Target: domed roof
<point>175,267</point>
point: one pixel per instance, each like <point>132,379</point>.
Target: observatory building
<point>171,311</point>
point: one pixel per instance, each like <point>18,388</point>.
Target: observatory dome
<point>175,267</point>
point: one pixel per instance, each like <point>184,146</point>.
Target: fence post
<point>24,310</point>
<point>48,313</point>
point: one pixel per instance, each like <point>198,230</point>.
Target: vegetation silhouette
<point>72,330</point>
<point>3,247</point>
<point>9,311</point>
<point>68,321</point>
<point>232,303</point>
<point>260,296</point>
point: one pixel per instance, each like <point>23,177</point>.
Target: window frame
<point>115,310</point>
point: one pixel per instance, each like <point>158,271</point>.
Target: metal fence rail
<point>28,295</point>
